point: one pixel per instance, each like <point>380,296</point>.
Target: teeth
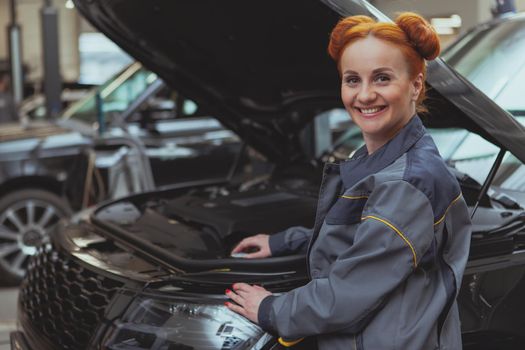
<point>370,110</point>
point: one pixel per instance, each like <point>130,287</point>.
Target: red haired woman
<point>391,239</point>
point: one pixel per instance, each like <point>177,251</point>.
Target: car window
<point>116,95</point>
<point>448,140</point>
<point>493,59</point>
<point>165,105</point>
<point>475,157</point>
<point>511,174</point>
<point>511,97</point>
<point>474,147</point>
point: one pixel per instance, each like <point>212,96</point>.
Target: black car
<point>132,134</point>
<point>149,271</point>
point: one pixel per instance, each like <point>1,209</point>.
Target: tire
<point>26,219</point>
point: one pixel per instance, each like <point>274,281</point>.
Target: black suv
<point>149,271</point>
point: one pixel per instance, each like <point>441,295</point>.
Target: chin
<point>375,128</point>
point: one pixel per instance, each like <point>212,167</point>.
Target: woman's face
<point>376,89</point>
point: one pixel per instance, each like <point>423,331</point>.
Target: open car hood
<point>262,69</point>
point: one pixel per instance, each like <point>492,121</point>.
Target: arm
<point>293,240</point>
<point>397,228</point>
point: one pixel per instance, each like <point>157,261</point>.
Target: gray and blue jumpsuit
<point>386,254</point>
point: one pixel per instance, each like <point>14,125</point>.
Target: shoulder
<point>427,171</point>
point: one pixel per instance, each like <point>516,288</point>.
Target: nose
<point>366,94</point>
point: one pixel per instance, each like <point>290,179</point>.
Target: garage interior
<point>54,58</point>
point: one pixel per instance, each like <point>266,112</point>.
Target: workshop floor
<point>8,301</point>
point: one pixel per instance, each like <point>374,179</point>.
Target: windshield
<point>475,156</point>
<point>492,57</point>
<point>116,95</point>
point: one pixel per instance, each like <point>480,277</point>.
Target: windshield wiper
<point>505,200</point>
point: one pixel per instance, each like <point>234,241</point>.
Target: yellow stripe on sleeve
<point>289,343</point>
<point>354,197</point>
<point>399,233</point>
<point>446,210</point>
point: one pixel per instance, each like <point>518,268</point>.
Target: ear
<point>417,86</point>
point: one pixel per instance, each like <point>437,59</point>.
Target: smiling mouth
<point>370,110</point>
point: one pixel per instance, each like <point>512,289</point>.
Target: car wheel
<point>26,218</point>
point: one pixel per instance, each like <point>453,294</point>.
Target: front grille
<point>62,300</point>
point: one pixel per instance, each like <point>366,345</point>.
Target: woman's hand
<point>247,299</point>
<point>261,242</point>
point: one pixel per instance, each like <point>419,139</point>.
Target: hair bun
<point>420,34</point>
<point>337,37</point>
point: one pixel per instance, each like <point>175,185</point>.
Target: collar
<point>362,165</point>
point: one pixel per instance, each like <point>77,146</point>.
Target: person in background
<point>8,113</point>
<point>392,233</point>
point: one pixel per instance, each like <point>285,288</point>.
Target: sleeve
<point>395,230</point>
<point>293,240</point>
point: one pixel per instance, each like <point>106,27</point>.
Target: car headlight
<point>183,324</point>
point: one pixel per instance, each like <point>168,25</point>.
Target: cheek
<point>397,96</point>
<point>346,96</point>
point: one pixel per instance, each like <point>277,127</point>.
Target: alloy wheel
<point>24,225</point>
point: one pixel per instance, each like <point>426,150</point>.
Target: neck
<point>374,142</point>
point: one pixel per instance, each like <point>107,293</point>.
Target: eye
<point>382,78</point>
<point>351,80</point>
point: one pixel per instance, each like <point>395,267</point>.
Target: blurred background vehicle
<point>124,137</point>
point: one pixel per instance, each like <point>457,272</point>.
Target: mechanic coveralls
<point>386,254</point>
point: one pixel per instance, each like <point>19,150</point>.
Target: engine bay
<point>206,223</point>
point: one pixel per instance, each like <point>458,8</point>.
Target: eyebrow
<point>348,71</point>
<point>375,71</point>
<point>382,69</point>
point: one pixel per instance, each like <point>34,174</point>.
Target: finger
<point>241,287</point>
<point>256,286</point>
<point>236,308</point>
<point>239,247</point>
<point>235,297</point>
<point>245,243</point>
<point>255,255</point>
<point>244,294</point>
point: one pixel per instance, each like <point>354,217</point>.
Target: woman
<point>391,239</point>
